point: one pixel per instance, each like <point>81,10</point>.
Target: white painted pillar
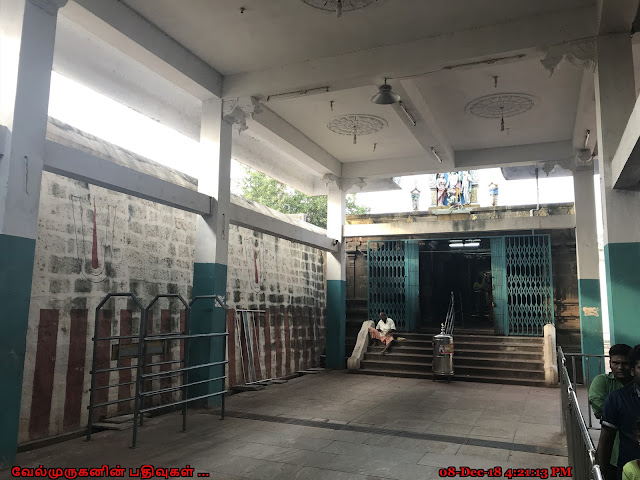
<point>211,251</point>
<point>615,98</point>
<point>27,37</point>
<point>336,279</point>
<point>588,267</point>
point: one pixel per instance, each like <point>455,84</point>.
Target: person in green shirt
<point>603,384</point>
<point>631,470</point>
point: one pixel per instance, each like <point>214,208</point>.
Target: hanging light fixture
<point>385,96</point>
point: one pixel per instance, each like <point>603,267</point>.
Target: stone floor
<point>334,425</point>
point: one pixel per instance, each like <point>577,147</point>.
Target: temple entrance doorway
<point>461,266</point>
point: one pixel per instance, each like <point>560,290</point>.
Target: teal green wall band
<point>16,270</point>
<point>208,279</point>
<point>622,265</point>
<point>590,324</point>
<point>336,318</point>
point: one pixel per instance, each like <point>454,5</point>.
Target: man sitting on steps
<point>383,332</point>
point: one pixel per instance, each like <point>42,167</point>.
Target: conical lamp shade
<point>385,96</point>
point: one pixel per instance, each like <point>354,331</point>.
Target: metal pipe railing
<point>587,376</point>
<point>144,380</point>
<point>95,371</point>
<point>582,452</point>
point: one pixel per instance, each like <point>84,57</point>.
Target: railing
<point>582,452</point>
<point>145,374</point>
<point>583,369</point>
<point>450,321</point>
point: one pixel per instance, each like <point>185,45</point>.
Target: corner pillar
<point>336,279</point>
<point>27,37</point>
<point>211,252</point>
<point>588,269</point>
<point>615,98</point>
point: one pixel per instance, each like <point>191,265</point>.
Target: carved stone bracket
<point>50,6</point>
<point>237,111</point>
<point>333,182</point>
<point>581,53</point>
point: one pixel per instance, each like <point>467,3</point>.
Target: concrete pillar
<point>588,268</point>
<point>27,37</point>
<point>336,280</point>
<point>211,252</point>
<point>615,98</point>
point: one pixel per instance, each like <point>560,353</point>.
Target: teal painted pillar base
<point>590,325</point>
<point>622,264</point>
<point>16,270</point>
<point>207,317</point>
<point>336,318</point>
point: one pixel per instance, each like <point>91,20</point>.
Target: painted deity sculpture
<point>415,199</point>
<point>493,191</point>
<point>453,188</point>
<point>441,187</point>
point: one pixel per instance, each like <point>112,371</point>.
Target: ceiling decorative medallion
<point>356,124</point>
<point>501,105</point>
<point>332,5</point>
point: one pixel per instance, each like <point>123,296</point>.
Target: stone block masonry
<point>132,250</point>
<point>148,249</point>
<point>286,281</point>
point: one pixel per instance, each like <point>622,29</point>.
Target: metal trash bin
<point>443,355</point>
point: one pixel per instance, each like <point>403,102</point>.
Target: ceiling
<point>312,114</point>
<point>551,118</point>
<point>280,32</point>
<point>457,49</point>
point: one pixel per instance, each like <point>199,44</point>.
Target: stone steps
<point>482,358</point>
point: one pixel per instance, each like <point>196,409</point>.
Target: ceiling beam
<point>548,152</point>
<point>615,16</point>
<point>85,167</point>
<point>272,128</point>
<point>123,28</point>
<point>391,167</point>
<point>369,67</point>
<point>249,218</point>
<point>266,158</point>
<point>625,165</point>
<point>427,132</point>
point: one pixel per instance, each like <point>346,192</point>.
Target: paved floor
<point>334,425</point>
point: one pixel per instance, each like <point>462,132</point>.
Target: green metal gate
<point>392,281</point>
<point>522,284</point>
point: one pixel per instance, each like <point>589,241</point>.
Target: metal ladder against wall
<point>163,400</point>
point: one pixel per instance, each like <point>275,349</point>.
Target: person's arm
<point>597,394</point>
<point>605,446</point>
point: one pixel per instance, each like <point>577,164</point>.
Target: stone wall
<point>148,249</point>
<point>142,247</point>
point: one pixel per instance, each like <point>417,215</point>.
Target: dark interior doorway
<point>462,267</point>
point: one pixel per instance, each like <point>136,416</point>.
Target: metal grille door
<point>386,277</point>
<point>529,284</point>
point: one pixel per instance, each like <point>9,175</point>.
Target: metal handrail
<point>582,452</point>
<point>449,323</point>
<point>587,379</point>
